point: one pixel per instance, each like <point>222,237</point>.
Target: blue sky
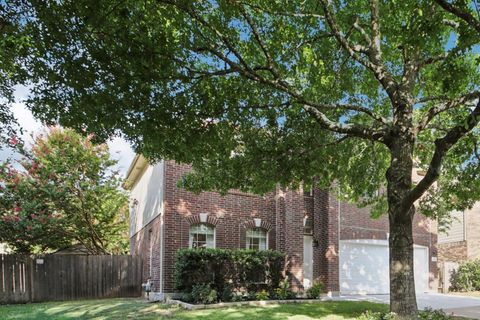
<point>119,148</point>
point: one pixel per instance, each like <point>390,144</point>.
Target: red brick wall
<point>325,233</point>
<point>294,213</point>
<point>233,212</point>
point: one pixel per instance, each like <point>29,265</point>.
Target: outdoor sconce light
<point>315,243</point>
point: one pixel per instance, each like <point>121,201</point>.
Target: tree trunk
<point>402,286</point>
<point>399,178</point>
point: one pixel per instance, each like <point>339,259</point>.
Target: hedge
<point>466,277</point>
<point>228,270</point>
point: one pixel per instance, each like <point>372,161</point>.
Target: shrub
<point>227,294</point>
<point>226,270</point>
<point>283,292</point>
<point>429,314</point>
<point>262,295</point>
<point>237,297</point>
<point>369,315</point>
<point>466,277</point>
<point>203,293</point>
<point>315,291</point>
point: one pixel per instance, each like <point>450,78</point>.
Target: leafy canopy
<point>258,92</point>
<point>62,193</point>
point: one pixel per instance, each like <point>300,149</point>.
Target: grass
<point>139,309</point>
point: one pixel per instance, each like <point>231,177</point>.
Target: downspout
<point>162,231</point>
<point>339,236</point>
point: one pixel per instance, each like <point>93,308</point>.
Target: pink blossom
<point>17,209</point>
<point>33,215</point>
<point>13,141</point>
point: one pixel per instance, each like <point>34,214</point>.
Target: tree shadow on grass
<point>115,309</point>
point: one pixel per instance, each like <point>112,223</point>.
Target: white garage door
<point>364,267</point>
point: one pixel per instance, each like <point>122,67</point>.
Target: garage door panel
<point>364,268</point>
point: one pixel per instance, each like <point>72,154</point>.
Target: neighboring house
<point>461,242</point>
<point>325,239</point>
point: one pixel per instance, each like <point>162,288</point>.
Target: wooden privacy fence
<point>68,277</point>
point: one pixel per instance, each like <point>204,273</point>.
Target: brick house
<point>325,239</point>
<point>459,244</point>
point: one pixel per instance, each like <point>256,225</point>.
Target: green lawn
<point>138,309</point>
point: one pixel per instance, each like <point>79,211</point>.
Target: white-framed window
<point>257,239</point>
<point>202,235</point>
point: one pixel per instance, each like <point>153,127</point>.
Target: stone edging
<point>259,303</point>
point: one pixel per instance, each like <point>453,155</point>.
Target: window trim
<point>266,238</point>
<point>190,240</point>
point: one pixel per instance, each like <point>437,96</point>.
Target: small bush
<point>204,294</point>
<point>429,314</point>
<point>262,295</point>
<point>283,292</point>
<point>227,294</point>
<point>369,315</point>
<point>315,291</point>
<point>467,277</point>
<point>238,297</point>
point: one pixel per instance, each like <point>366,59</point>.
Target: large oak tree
<point>255,93</point>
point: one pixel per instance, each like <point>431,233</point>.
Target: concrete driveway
<point>452,304</point>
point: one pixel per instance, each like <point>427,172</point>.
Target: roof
<point>135,171</point>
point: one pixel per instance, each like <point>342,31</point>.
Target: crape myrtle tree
<point>62,192</point>
<point>354,94</point>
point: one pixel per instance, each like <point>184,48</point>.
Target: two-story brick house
<point>325,239</point>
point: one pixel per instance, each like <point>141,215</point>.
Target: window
<point>257,239</point>
<point>202,235</point>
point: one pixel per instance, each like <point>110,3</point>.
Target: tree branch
<point>437,109</point>
<point>442,146</point>
<point>314,109</point>
<point>460,13</point>
<point>374,62</point>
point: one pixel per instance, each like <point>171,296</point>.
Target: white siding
<point>456,232</point>
<point>146,197</point>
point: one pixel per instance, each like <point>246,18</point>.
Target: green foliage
<point>227,271</point>
<point>370,315</point>
<point>262,295</point>
<point>315,291</point>
<point>204,294</point>
<point>62,192</point>
<point>466,277</point>
<point>283,291</point>
<point>429,314</point>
